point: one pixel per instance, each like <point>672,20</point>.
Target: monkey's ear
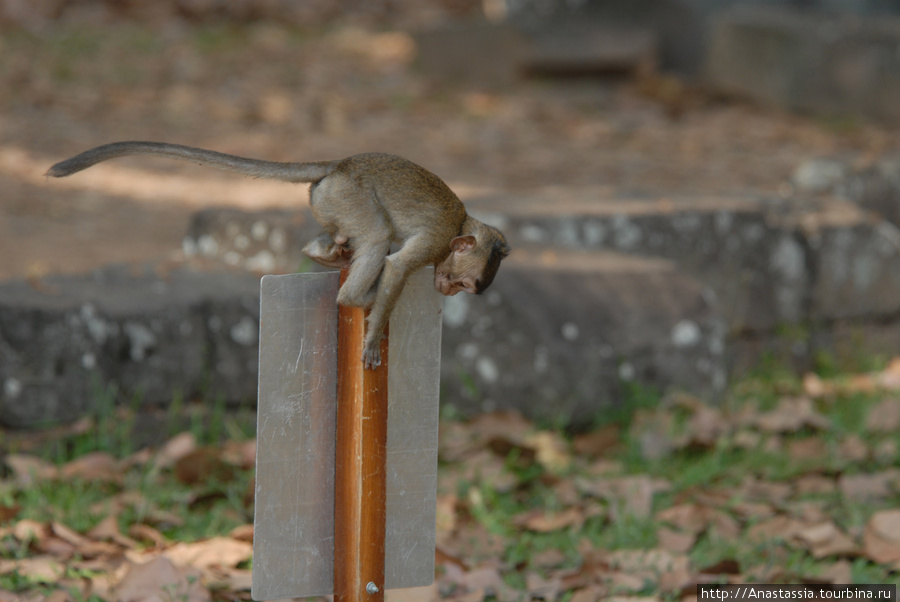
<point>462,244</point>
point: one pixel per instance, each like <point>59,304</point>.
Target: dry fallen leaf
<point>550,450</point>
<point>881,540</point>
<point>853,449</point>
<point>825,539</point>
<point>705,428</point>
<point>778,527</point>
<point>202,465</point>
<point>773,492</point>
<point>814,484</point>
<point>884,417</point>
<point>242,533</point>
<point>595,443</point>
<point>815,387</point>
<point>549,558</point>
<point>539,588</point>
<point>108,530</point>
<point>146,533</point>
<point>726,566</point>
<point>790,415</point>
<point>631,495</point>
<point>95,466</point>
<point>675,541</point>
<point>218,551</point>
<point>159,579</point>
<point>655,561</point>
<point>9,512</point>
<point>30,530</point>
<point>175,448</point>
<point>869,487</point>
<point>591,593</point>
<point>484,581</point>
<point>889,378</point>
<point>44,568</point>
<point>28,469</point>
<point>689,517</point>
<point>542,521</point>
<point>808,449</point>
<point>839,572</point>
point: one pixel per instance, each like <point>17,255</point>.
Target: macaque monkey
<point>364,203</point>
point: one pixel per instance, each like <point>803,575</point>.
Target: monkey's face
<point>450,284</point>
<point>462,269</point>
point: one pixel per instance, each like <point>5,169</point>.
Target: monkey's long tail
<point>288,172</point>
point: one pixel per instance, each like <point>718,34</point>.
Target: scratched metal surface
<point>294,519</point>
<point>293,534</point>
<point>414,368</point>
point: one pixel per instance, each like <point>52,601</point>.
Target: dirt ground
<point>282,94</point>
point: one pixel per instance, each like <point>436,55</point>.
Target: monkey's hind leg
<point>365,270</point>
<point>331,253</point>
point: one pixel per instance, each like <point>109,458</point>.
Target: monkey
<point>364,203</point>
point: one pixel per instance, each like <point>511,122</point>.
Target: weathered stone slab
<point>261,241</point>
<point>808,60</point>
<point>151,334</point>
<point>579,46</point>
<point>756,267</point>
<point>873,186</point>
<point>476,53</point>
<point>858,270</point>
<point>559,336</point>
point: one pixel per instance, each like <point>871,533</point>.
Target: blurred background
<point>688,352</point>
<point>692,187</point>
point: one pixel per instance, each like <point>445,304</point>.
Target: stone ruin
<point>600,296</point>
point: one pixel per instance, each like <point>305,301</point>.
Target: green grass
<point>215,506</point>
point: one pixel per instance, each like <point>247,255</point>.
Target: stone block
<point>479,53</point>
<point>756,268</point>
<point>857,267</point>
<point>575,47</point>
<point>261,241</point>
<point>807,60</point>
<point>559,337</point>
<point>150,334</point>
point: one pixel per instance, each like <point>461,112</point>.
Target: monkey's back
<point>414,199</point>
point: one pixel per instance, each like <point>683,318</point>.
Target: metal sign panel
<point>293,545</point>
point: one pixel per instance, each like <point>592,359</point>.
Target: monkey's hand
<point>372,355</point>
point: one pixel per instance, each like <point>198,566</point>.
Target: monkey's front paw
<point>371,356</point>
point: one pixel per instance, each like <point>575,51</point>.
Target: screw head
<point>371,588</point>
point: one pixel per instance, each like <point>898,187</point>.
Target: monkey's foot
<point>330,255</point>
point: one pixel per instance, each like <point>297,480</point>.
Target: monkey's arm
<point>398,267</point>
<point>288,172</point>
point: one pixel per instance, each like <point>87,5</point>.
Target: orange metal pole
<point>360,475</point>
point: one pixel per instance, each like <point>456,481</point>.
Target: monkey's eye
<point>464,286</point>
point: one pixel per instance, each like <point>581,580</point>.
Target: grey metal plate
<point>294,516</point>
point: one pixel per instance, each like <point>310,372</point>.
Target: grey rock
<point>475,53</point>
<point>819,175</point>
<point>756,267</point>
<point>807,60</point>
<point>578,46</point>
<point>857,268</point>
<point>265,241</point>
<point>875,188</point>
<point>150,335</point>
<point>564,339</point>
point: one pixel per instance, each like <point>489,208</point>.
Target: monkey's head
<point>474,260</point>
